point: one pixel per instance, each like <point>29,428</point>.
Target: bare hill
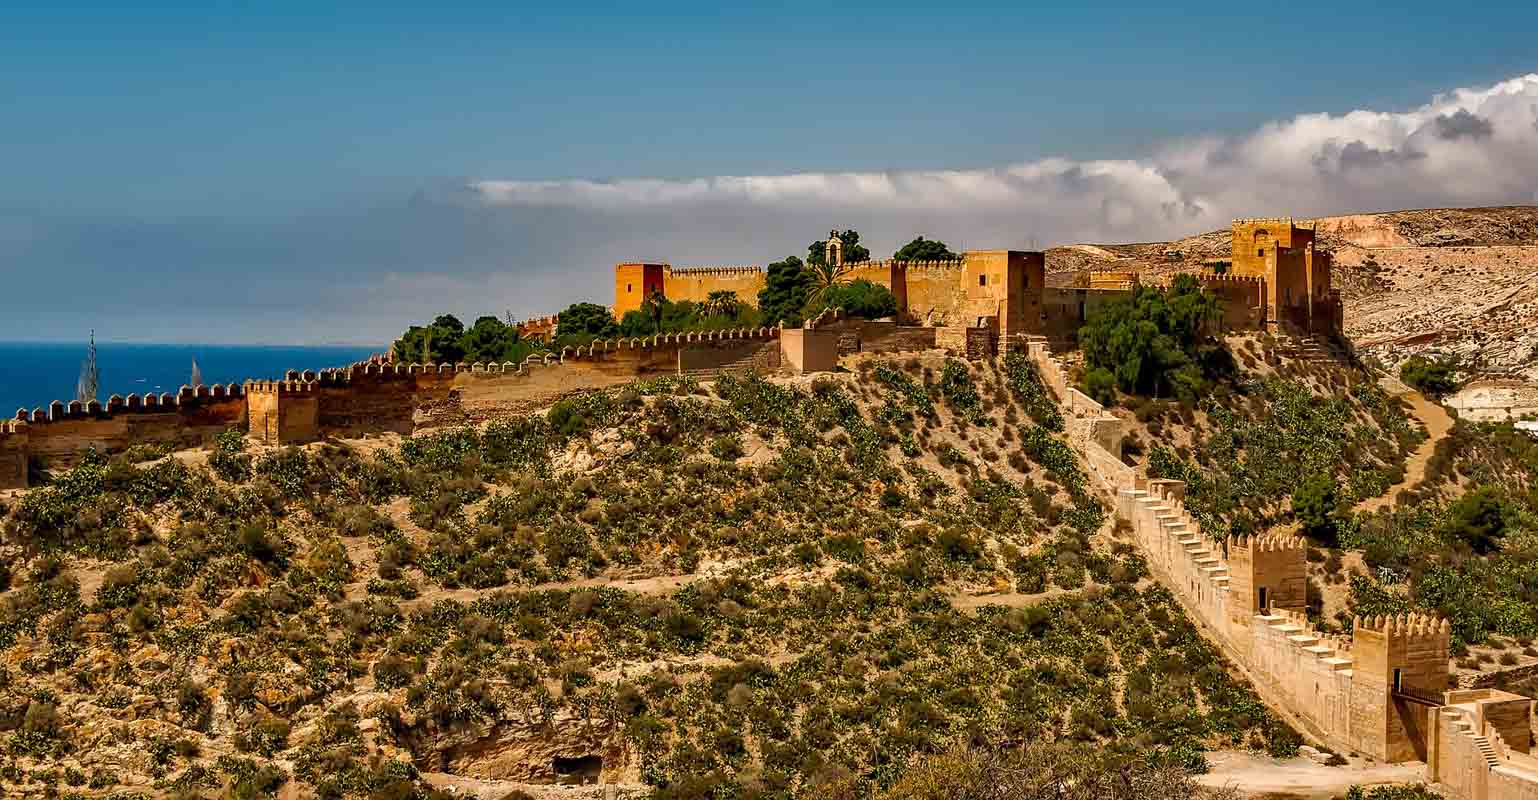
<point>1456,280</point>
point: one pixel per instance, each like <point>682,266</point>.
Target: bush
<point>1157,342</point>
<point>1433,377</point>
<point>1314,503</point>
<point>857,298</point>
<point>1100,384</point>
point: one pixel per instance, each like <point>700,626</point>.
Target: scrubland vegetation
<point>804,620</point>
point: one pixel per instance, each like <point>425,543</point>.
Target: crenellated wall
<point>366,397</point>
<point>194,415</point>
<point>1383,692</point>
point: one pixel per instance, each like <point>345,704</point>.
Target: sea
<point>33,375</point>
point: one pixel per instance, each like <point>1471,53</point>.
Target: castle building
<point>1295,274</point>
<point>1276,279</point>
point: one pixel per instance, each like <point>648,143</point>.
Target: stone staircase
<point>742,366</point>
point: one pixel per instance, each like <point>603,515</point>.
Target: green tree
<point>1433,377</point>
<point>921,249</point>
<point>1315,503</point>
<point>859,298</point>
<point>786,289</point>
<point>586,319</point>
<point>1477,519</point>
<point>720,303</point>
<point>1157,342</point>
<point>489,340</point>
<point>435,343</point>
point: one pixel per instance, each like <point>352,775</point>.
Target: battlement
<point>283,388</point>
<point>186,396</point>
<point>1405,626</point>
<point>1296,223</point>
<point>729,271</point>
<point>1276,543</point>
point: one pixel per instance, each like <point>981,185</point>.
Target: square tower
<point>1399,666</point>
<point>1265,573</point>
<point>634,282</point>
<point>283,412</point>
<point>1004,286</point>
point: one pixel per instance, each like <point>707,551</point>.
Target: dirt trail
<point>1257,775</point>
<point>1438,422</point>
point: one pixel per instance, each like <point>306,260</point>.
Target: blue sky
<point>262,172</point>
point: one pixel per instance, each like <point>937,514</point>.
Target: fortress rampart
<point>370,396</point>
<point>1383,691</point>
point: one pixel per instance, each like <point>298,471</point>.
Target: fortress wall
<point>192,416</point>
<point>1064,310</point>
<point>935,293</point>
<point>696,283</point>
<point>13,454</point>
<point>1243,297</point>
<point>879,336</point>
<point>710,356</point>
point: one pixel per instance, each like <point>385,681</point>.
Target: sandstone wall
<point>13,454</point>
<point>190,417</point>
<point>934,292</point>
<point>696,283</point>
<point>809,350</point>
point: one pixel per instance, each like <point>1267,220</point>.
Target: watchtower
<point>283,412</point>
<point>1399,676</point>
<point>1265,573</point>
<point>1297,275</point>
<point>634,282</point>
<point>834,250</point>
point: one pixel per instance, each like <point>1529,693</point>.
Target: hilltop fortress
<point>1275,277</point>
<point>984,303</point>
<point>1384,691</point>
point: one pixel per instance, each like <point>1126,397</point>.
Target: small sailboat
<point>197,374</point>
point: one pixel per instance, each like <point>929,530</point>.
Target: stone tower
<point>1399,671</point>
<point>283,412</point>
<point>1296,274</point>
<point>1266,572</point>
<point>635,282</point>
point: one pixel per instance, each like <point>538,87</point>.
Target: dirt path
<point>1257,775</point>
<point>1438,422</point>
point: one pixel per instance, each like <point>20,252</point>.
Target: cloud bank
<point>487,245</point>
<point>1465,147</point>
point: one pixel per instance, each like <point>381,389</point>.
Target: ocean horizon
<point>34,374</point>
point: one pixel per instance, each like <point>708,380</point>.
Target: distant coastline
<point>34,374</point>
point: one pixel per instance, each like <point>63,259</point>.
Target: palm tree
<point>720,303</point>
<point>825,276</point>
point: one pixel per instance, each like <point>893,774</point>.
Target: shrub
<point>1433,377</point>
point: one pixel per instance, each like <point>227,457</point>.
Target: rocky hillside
<point>1461,281</point>
<point>751,588</point>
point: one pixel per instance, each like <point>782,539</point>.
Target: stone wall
<point>194,415</point>
<point>13,454</point>
<point>1384,692</point>
<point>809,349</point>
<point>696,283</point>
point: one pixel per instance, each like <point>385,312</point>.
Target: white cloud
<point>1465,147</point>
<point>491,246</point>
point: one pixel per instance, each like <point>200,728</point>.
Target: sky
<point>285,173</point>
